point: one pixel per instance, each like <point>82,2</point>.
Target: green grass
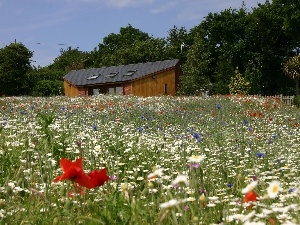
<point>240,138</point>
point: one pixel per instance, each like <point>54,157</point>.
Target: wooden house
<point>142,79</point>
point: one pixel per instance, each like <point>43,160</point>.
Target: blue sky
<point>46,26</point>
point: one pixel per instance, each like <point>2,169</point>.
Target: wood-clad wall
<point>127,89</point>
<point>156,84</point>
<point>73,91</point>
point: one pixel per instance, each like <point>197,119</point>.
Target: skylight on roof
<point>111,75</point>
<point>129,73</point>
<point>93,77</point>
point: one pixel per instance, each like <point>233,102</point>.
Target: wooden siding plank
<point>154,85</point>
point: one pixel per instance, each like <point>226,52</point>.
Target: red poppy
<point>251,196</point>
<point>73,171</point>
<point>271,221</point>
<point>97,178</point>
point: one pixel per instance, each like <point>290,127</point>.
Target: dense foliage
<point>297,101</point>
<point>257,41</point>
<point>14,64</point>
<point>292,69</point>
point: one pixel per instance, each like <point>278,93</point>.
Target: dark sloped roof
<point>80,77</point>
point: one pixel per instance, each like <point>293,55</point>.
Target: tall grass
<point>172,160</point>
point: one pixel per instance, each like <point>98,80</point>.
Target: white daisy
<point>181,179</point>
<point>171,203</point>
<point>273,189</point>
<point>249,187</point>
<point>196,158</point>
<point>156,173</point>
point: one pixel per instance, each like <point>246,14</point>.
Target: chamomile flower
<point>249,187</point>
<point>171,203</point>
<point>196,158</point>
<point>273,189</point>
<point>181,179</point>
<point>156,173</point>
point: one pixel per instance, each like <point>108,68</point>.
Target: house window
<point>111,75</point>
<point>95,91</point>
<point>115,90</point>
<point>166,89</point>
<point>129,73</point>
<point>119,90</point>
<point>93,77</point>
<point>111,91</point>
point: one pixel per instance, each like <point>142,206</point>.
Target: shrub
<point>238,84</point>
<point>297,101</point>
<point>48,88</point>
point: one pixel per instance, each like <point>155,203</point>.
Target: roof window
<point>129,73</point>
<point>111,75</point>
<point>93,77</point>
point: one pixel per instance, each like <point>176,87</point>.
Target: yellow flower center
<point>275,189</point>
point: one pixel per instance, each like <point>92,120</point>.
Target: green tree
<point>217,47</point>
<point>46,81</point>
<point>129,46</point>
<point>14,64</point>
<point>223,74</point>
<point>72,59</point>
<point>266,45</point>
<point>196,69</point>
<point>254,76</point>
<point>290,13</point>
<point>255,41</point>
<point>177,43</point>
<point>292,69</point>
<point>48,88</point>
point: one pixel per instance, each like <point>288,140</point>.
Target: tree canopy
<point>129,46</point>
<point>14,64</point>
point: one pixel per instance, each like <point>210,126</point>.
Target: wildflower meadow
<point>157,160</point>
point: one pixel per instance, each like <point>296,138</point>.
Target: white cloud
<point>118,3</point>
<point>127,3</point>
<point>164,7</point>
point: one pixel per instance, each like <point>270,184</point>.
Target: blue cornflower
<point>246,123</point>
<point>292,190</point>
<point>229,185</point>
<point>260,154</point>
<point>218,106</point>
<point>196,135</point>
<point>94,127</point>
